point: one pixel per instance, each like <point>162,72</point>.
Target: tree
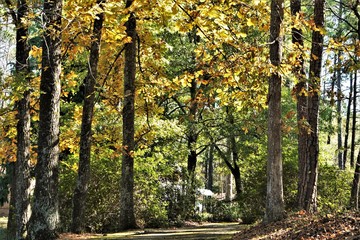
<point>347,124</point>
<point>127,217</point>
<point>274,193</point>
<point>45,217</point>
<point>354,197</point>
<point>310,201</point>
<point>353,126</point>
<point>301,105</point>
<point>20,194</point>
<point>82,184</point>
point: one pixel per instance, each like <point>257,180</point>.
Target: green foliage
<point>102,204</point>
<point>334,188</point>
<point>226,211</point>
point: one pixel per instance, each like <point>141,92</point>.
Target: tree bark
<point>45,217</point>
<point>11,224</point>
<point>353,127</point>
<point>234,155</point>
<point>301,105</point>
<point>127,216</point>
<point>210,168</point>
<point>339,114</point>
<point>354,198</point>
<point>20,170</point>
<point>192,133</point>
<point>313,107</point>
<point>82,184</point>
<point>274,194</point>
<point>228,187</point>
<point>347,124</point>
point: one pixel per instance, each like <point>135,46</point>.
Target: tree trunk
<point>354,199</point>
<point>274,194</point>
<point>339,114</point>
<point>210,168</point>
<point>82,184</point>
<point>238,182</point>
<point>353,127</point>
<point>228,187</point>
<point>127,216</point>
<point>20,170</point>
<point>235,170</point>
<point>301,105</point>
<point>347,125</point>
<point>11,224</point>
<point>332,102</point>
<point>45,217</point>
<point>234,155</point>
<point>192,134</point>
<point>313,107</point>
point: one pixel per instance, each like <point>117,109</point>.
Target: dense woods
<point>116,115</point>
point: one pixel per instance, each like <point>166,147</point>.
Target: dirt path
<point>206,231</point>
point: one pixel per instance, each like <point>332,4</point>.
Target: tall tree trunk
<point>354,8</point>
<point>353,127</point>
<point>274,193</point>
<point>339,114</point>
<point>44,220</point>
<point>339,92</point>
<point>301,105</point>
<point>347,124</point>
<point>210,168</point>
<point>313,107</point>
<point>20,170</point>
<point>82,184</point>
<point>192,133</point>
<point>127,216</point>
<point>354,198</point>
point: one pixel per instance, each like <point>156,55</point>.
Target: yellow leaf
<point>35,117</point>
<point>213,13</point>
<point>35,52</point>
<point>241,34</point>
<point>250,22</point>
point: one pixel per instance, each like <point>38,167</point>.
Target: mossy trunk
<point>44,220</point>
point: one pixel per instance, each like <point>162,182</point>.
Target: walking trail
<point>206,231</point>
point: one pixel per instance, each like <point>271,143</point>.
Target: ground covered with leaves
<point>304,226</point>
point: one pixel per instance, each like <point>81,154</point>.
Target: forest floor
<point>296,226</point>
<point>306,227</point>
<point>205,231</point>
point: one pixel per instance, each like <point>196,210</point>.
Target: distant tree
<point>347,123</point>
<point>274,194</point>
<point>44,220</point>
